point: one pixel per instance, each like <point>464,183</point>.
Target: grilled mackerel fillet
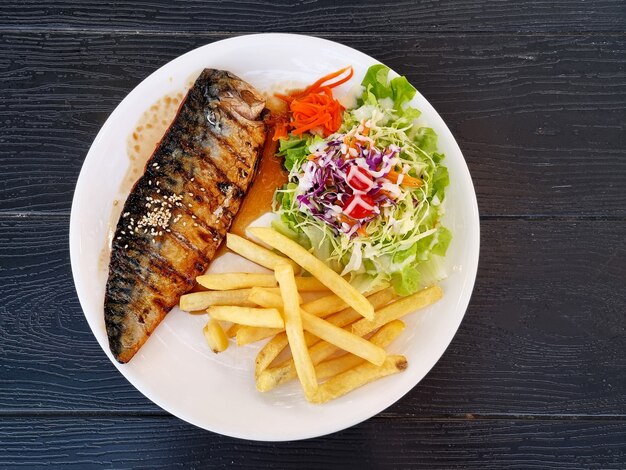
<point>181,208</point>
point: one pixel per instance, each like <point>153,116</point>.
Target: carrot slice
<point>407,180</point>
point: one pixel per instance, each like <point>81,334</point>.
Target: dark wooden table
<point>535,93</point>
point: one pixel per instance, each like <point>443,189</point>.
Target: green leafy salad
<point>368,198</point>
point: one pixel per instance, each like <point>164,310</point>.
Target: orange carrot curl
<point>314,107</point>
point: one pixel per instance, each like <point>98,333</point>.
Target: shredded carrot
<point>407,180</point>
<point>279,121</point>
<point>361,231</point>
<point>315,107</point>
<point>280,131</point>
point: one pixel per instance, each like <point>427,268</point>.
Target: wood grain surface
<point>540,120</point>
<point>165,442</point>
<point>385,16</point>
<point>535,94</point>
<point>529,304</point>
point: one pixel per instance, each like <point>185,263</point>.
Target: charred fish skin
<point>179,211</point>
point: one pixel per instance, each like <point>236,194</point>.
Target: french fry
<point>293,328</point>
<point>398,309</point>
<point>198,302</point>
<point>269,352</point>
<point>317,268</point>
<point>229,281</point>
<point>215,336</point>
<point>320,328</point>
<point>271,378</point>
<point>256,253</point>
<point>325,306</point>
<point>204,300</point>
<point>269,296</point>
<point>357,377</point>
<point>322,307</point>
<point>264,298</point>
<point>232,331</point>
<point>275,346</point>
<point>309,284</point>
<point>266,317</point>
<point>343,339</point>
<point>383,338</point>
<point>251,334</point>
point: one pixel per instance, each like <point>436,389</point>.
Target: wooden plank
<point>540,119</point>
<point>545,333</point>
<point>124,442</point>
<point>319,16</point>
<point>543,133</point>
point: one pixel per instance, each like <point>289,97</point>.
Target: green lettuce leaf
<point>294,149</point>
<point>375,81</point>
<point>444,237</point>
<point>407,281</point>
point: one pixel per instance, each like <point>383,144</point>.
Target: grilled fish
<point>179,211</point>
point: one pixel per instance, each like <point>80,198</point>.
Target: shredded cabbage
<point>402,240</point>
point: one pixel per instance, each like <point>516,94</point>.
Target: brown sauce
<point>148,132</point>
<point>270,176</point>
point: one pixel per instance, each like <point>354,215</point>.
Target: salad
<point>366,185</point>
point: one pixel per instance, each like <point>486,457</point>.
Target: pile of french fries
<point>333,344</point>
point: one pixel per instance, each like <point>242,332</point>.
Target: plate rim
<point>74,242</point>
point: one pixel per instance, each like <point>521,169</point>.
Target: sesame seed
<point>159,216</point>
<point>184,224</point>
<point>153,241</point>
<point>195,225</point>
<point>126,214</point>
<point>158,183</point>
<point>119,238</point>
<point>189,205</point>
<point>193,216</point>
<point>202,189</point>
<point>190,194</point>
<point>150,182</point>
<point>123,233</point>
<point>155,164</point>
<point>192,179</point>
<point>125,246</point>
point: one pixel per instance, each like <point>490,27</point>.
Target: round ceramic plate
<point>175,369</point>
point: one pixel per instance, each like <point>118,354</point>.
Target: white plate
<point>174,368</point>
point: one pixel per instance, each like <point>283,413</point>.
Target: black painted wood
<point>386,16</point>
<point>534,91</point>
<point>149,442</point>
<point>540,119</point>
<point>545,333</point>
